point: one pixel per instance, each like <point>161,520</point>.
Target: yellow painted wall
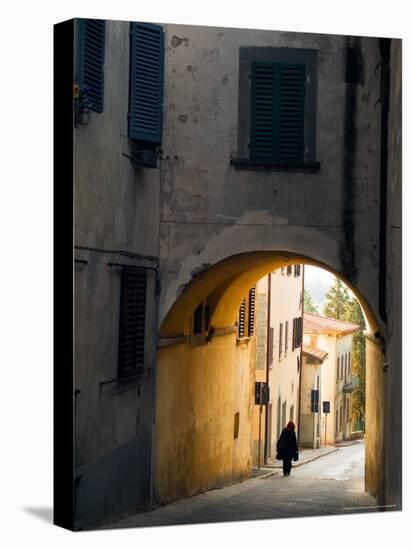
<point>199,391</point>
<point>374,415</point>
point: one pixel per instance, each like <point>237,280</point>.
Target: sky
<point>317,283</point>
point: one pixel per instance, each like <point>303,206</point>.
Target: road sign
<point>261,393</point>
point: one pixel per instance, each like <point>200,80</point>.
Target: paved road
<point>332,484</point>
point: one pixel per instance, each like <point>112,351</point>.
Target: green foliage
<point>308,305</point>
<point>339,305</point>
<point>337,299</point>
<point>353,313</point>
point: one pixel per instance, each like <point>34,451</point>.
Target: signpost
<point>326,410</point>
<point>261,398</point>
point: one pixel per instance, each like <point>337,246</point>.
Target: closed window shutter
<point>251,319</point>
<point>270,344</point>
<point>294,340</point>
<point>290,110</point>
<point>277,112</point>
<point>132,321</point>
<point>280,338</point>
<point>146,82</point>
<point>286,336</point>
<point>262,139</point>
<point>242,313</point>
<point>91,54</point>
<point>198,320</point>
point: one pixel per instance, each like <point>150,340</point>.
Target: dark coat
<point>287,445</point>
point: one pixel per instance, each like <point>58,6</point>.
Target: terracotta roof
<point>316,324</point>
<point>316,353</point>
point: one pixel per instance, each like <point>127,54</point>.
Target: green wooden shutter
<point>291,96</point>
<point>132,322</point>
<point>277,112</point>
<point>146,83</point>
<point>262,138</point>
<point>91,55</point>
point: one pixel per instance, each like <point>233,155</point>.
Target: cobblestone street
<point>331,484</point>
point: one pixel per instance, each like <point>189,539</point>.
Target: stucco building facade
<point>182,200</point>
<point>279,298</point>
<point>311,419</point>
<point>329,340</point>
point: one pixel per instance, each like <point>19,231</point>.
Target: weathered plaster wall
<point>200,389</point>
<point>210,210</point>
<point>116,221</point>
<point>393,373</point>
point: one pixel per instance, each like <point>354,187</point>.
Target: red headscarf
<point>290,426</point>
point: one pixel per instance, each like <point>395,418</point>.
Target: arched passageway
<point>205,377</point>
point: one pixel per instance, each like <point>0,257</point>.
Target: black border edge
<point>63,218</point>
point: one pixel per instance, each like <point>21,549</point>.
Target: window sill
<point>123,384</point>
<point>243,339</point>
<point>248,164</point>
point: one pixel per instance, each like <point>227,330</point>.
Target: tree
<point>308,305</point>
<point>337,299</point>
<point>353,314</point>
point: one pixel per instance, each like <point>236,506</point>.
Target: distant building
<point>313,364</point>
<point>278,353</point>
<point>323,335</point>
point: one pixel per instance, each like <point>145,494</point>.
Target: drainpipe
<point>267,435</point>
<point>385,50</point>
<point>300,354</point>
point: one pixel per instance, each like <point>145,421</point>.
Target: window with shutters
<point>270,346</point>
<point>286,336</point>
<point>146,92</point>
<point>297,332</point>
<point>246,320</point>
<point>251,312</point>
<point>91,34</point>
<point>132,322</point>
<point>277,108</point>
<point>289,270</point>
<point>277,112</point>
<point>297,270</point>
<point>198,320</point>
<point>200,324</point>
<point>280,340</point>
<point>242,316</point>
<point>294,334</point>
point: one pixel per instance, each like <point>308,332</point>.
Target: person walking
<point>287,447</point>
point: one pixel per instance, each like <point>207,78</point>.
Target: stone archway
<point>201,387</point>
